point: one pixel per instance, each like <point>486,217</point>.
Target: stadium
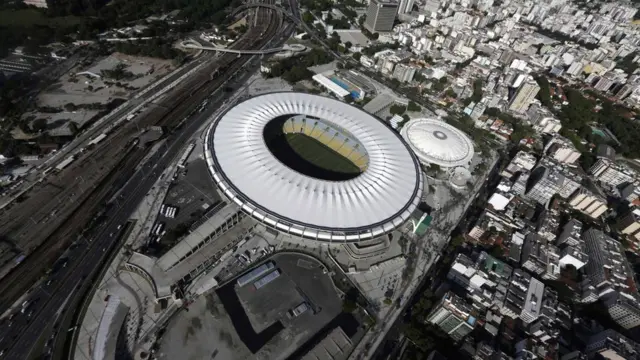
<point>313,167</point>
<point>436,142</point>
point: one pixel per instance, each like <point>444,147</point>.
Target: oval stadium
<point>313,167</point>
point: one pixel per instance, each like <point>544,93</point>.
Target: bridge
<point>293,48</point>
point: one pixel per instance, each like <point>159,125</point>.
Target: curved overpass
<point>242,8</point>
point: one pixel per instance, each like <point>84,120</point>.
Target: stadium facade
<point>378,199</point>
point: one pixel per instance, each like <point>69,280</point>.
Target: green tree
<point>357,56</point>
<point>307,17</point>
<point>450,93</point>
<point>39,125</point>
<point>413,106</point>
<point>457,241</point>
<point>73,127</point>
<point>477,90</point>
<point>397,109</point>
<point>544,95</point>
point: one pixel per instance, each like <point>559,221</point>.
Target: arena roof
<point>377,201</point>
<point>436,142</point>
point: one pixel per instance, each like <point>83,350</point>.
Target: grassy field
<point>31,17</point>
<point>320,155</point>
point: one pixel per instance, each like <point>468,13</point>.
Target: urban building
<point>548,179</point>
<point>611,174</point>
<point>483,281</point>
<point>610,274</point>
<point>533,301</point>
<point>381,15</point>
<point>623,309</point>
<point>629,223</point>
<point>589,201</point>
<point>37,3</point>
<point>405,6</point>
<point>540,257</point>
<point>571,233</point>
<point>524,297</point>
<point>605,151</point>
<point>521,161</point>
<point>404,73</point>
<point>524,96</point>
<point>548,125</point>
<point>562,150</point>
<point>453,316</point>
<point>610,344</point>
<point>432,6</point>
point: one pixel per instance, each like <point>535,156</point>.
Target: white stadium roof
<point>373,203</point>
<point>436,142</point>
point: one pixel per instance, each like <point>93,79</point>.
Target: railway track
<point>183,101</point>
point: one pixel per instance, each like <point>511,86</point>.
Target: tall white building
<point>533,301</point>
<point>610,274</point>
<point>524,96</point>
<point>381,15</point>
<point>405,6</point>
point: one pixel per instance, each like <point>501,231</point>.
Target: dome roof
<point>436,142</point>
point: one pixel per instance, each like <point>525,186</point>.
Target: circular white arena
<point>436,142</point>
<point>375,200</point>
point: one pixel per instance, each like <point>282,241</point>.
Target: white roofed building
<point>436,142</point>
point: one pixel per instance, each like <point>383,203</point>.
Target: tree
<point>39,125</point>
<point>457,241</point>
<point>357,56</point>
<point>413,106</point>
<point>544,95</point>
<point>307,17</point>
<point>397,109</point>
<point>477,90</point>
<point>348,45</point>
<point>73,127</point>
<point>450,93</point>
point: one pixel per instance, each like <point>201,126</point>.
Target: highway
<point>19,335</point>
<point>294,48</point>
<point>175,106</point>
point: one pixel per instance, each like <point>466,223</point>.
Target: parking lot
<point>192,193</point>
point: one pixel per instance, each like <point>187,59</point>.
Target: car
<point>111,235</point>
<point>49,282</point>
<point>119,227</point>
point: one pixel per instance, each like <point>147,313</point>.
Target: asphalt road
<point>19,335</point>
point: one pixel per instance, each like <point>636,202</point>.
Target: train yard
<point>67,202</point>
